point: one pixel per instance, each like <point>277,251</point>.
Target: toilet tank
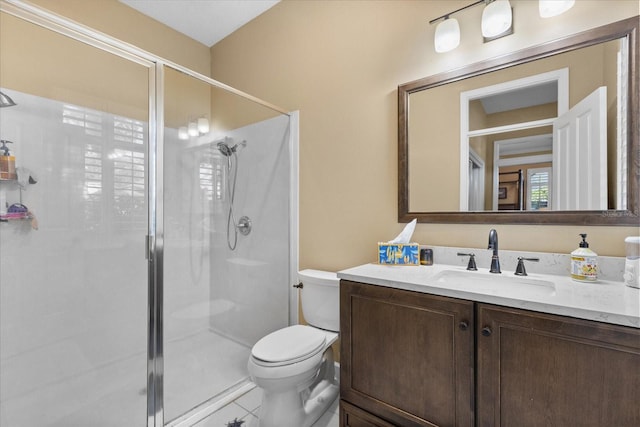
<point>320,298</point>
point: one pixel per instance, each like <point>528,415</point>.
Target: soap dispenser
<point>7,162</point>
<point>584,262</point>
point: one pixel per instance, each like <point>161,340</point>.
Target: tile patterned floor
<point>246,408</point>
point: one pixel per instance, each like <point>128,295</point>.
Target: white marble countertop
<point>604,301</point>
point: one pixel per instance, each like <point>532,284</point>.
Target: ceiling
<point>528,96</point>
<point>207,21</point>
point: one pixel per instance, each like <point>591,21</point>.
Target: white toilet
<point>294,366</point>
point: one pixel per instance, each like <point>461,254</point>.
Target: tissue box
<point>399,254</point>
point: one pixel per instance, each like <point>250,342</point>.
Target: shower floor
<point>197,368</point>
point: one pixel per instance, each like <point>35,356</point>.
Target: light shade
<point>183,134</point>
<point>203,125</point>
<point>6,101</point>
<point>549,8</point>
<point>496,18</point>
<point>193,129</point>
<point>447,35</point>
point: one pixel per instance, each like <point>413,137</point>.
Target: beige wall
<point>126,24</point>
<point>339,63</point>
<point>40,62</point>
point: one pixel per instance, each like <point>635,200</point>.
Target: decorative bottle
<point>584,263</point>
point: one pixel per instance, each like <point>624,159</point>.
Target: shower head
<point>6,101</point>
<point>227,147</point>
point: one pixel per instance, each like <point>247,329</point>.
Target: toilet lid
<point>296,342</point>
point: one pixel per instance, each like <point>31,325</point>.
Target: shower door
<point>134,288</point>
<point>227,239</point>
<point>73,276</point>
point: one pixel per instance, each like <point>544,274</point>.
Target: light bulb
<point>203,125</point>
<point>549,8</point>
<point>447,35</point>
<point>496,18</point>
<point>183,134</point>
<point>193,129</point>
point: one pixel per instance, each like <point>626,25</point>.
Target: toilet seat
<point>288,346</point>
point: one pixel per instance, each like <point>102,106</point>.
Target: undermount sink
<point>478,280</point>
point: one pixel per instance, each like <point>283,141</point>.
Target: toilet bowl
<point>294,366</point>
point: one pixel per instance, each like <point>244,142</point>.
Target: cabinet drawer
<point>352,416</point>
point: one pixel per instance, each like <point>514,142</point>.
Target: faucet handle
<point>520,270</point>
<point>472,261</point>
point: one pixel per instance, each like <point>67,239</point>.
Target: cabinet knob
<point>464,325</point>
<point>486,331</point>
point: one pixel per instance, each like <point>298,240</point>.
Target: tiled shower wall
<point>73,293</point>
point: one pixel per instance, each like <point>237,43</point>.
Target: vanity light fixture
<point>497,21</point>
<point>203,125</point>
<point>447,35</point>
<point>192,129</point>
<point>549,8</point>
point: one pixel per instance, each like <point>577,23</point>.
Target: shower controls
<point>244,225</point>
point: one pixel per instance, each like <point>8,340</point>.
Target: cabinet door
<point>537,369</point>
<point>407,357</point>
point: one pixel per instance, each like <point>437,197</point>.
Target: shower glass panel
<point>73,275</point>
<point>226,277</point>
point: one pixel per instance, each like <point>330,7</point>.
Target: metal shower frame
<point>155,232</point>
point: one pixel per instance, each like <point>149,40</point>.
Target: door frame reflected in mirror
<point>631,216</point>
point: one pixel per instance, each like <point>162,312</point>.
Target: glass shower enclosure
<point>148,238</point>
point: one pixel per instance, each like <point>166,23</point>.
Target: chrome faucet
<point>493,244</point>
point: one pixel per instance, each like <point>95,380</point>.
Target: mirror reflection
<point>545,135</point>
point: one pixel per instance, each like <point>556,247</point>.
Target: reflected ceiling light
<point>192,128</point>
<point>497,19</point>
<point>6,101</point>
<point>447,35</point>
<point>549,8</point>
<point>203,125</point>
<point>183,134</point>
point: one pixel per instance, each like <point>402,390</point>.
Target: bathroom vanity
<point>442,346</point>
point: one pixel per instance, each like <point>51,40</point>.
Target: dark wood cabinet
<point>407,357</point>
<point>535,369</point>
<point>413,359</point>
<point>352,416</point>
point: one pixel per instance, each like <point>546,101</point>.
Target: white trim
<point>622,88</point>
<point>561,76</point>
<point>464,153</point>
<point>513,127</point>
<point>294,213</point>
<point>478,184</point>
<point>523,160</point>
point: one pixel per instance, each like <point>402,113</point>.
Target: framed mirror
<point>503,140</point>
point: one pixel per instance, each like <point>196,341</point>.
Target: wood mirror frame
<point>631,216</point>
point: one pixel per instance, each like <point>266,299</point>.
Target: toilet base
<point>295,408</point>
